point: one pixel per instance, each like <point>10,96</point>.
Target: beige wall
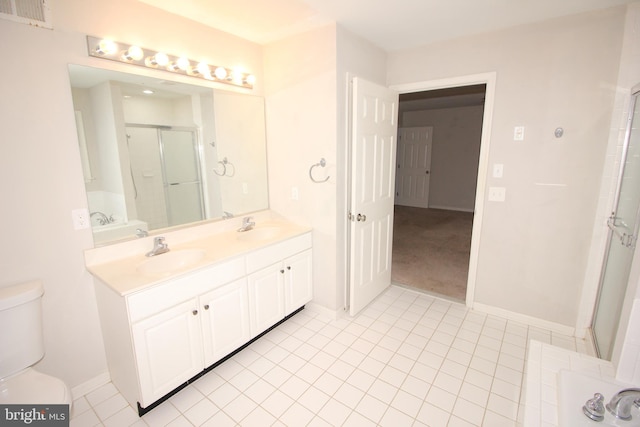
<point>454,155</point>
<point>562,72</point>
<point>301,114</point>
<point>40,173</point>
<point>306,98</point>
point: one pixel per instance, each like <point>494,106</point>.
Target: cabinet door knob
<point>195,312</point>
<point>282,271</point>
<point>289,267</point>
<point>206,306</point>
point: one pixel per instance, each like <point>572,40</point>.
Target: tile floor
<point>409,359</point>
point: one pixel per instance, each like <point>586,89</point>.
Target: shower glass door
<point>183,184</point>
<point>623,231</point>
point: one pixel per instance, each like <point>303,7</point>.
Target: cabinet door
<point>298,286</point>
<point>266,298</point>
<point>225,320</point>
<point>168,350</point>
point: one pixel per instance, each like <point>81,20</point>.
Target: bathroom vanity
<point>169,319</point>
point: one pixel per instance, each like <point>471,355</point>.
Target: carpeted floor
<point>431,250</point>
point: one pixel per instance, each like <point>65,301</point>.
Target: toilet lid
<point>33,387</point>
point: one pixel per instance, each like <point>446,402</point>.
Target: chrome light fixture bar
<point>132,54</point>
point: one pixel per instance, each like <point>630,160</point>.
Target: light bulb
<point>237,77</point>
<point>203,70</point>
<point>221,73</point>
<point>183,63</point>
<point>106,47</point>
<point>251,79</point>
<point>134,53</point>
<point>158,60</point>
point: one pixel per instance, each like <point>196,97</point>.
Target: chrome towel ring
<point>224,164</point>
<point>322,164</point>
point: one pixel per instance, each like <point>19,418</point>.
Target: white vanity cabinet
<point>168,348</point>
<point>279,280</point>
<point>278,290</point>
<point>225,320</point>
<point>161,336</point>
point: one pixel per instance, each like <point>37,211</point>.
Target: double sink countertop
<point>126,269</point>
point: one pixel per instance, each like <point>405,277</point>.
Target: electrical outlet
<point>81,219</point>
<point>497,194</point>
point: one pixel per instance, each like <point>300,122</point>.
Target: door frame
<point>488,79</point>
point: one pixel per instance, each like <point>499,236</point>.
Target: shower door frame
<point>197,147</point>
<point>612,232</point>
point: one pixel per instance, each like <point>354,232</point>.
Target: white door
<point>298,285</point>
<point>414,166</point>
<point>373,157</point>
<point>168,348</point>
<point>225,320</point>
<point>266,298</point>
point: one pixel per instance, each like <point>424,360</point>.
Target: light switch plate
<point>518,133</point>
<point>497,194</point>
<point>497,170</point>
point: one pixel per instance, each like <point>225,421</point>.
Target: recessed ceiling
<point>391,25</point>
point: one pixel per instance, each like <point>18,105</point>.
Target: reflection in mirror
<point>158,154</point>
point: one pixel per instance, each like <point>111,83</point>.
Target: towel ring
<point>322,164</point>
<point>224,164</point>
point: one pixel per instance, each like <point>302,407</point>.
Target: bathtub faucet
<point>102,218</point>
<point>620,404</point>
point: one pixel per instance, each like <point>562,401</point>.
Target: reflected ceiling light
<point>136,55</point>
<point>148,92</point>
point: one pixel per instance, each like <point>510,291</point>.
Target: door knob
<point>361,217</point>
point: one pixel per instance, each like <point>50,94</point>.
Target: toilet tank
<point>21,340</point>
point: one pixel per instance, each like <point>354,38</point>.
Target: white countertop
<point>117,265</point>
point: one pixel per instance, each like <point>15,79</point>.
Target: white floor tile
<point>408,359</point>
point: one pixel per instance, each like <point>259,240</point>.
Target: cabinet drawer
<point>150,301</point>
<point>262,258</point>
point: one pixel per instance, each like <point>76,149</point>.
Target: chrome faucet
<point>159,247</point>
<point>140,233</point>
<point>247,224</point>
<point>620,404</point>
<point>227,215</point>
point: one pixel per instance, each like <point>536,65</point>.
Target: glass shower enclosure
<point>623,226</point>
<point>166,174</point>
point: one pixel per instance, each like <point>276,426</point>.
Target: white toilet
<point>21,346</point>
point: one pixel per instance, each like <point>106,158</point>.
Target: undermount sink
<point>170,261</point>
<point>259,233</point>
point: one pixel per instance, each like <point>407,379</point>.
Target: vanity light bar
<point>131,54</point>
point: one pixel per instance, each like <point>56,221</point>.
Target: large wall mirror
<point>158,154</point>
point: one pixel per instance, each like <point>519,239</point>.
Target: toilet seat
<point>32,387</point>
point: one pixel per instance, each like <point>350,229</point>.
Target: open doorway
<point>439,146</point>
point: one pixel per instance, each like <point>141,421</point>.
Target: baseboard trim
<point>523,318</point>
<point>451,208</point>
<point>320,309</point>
<point>91,385</point>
